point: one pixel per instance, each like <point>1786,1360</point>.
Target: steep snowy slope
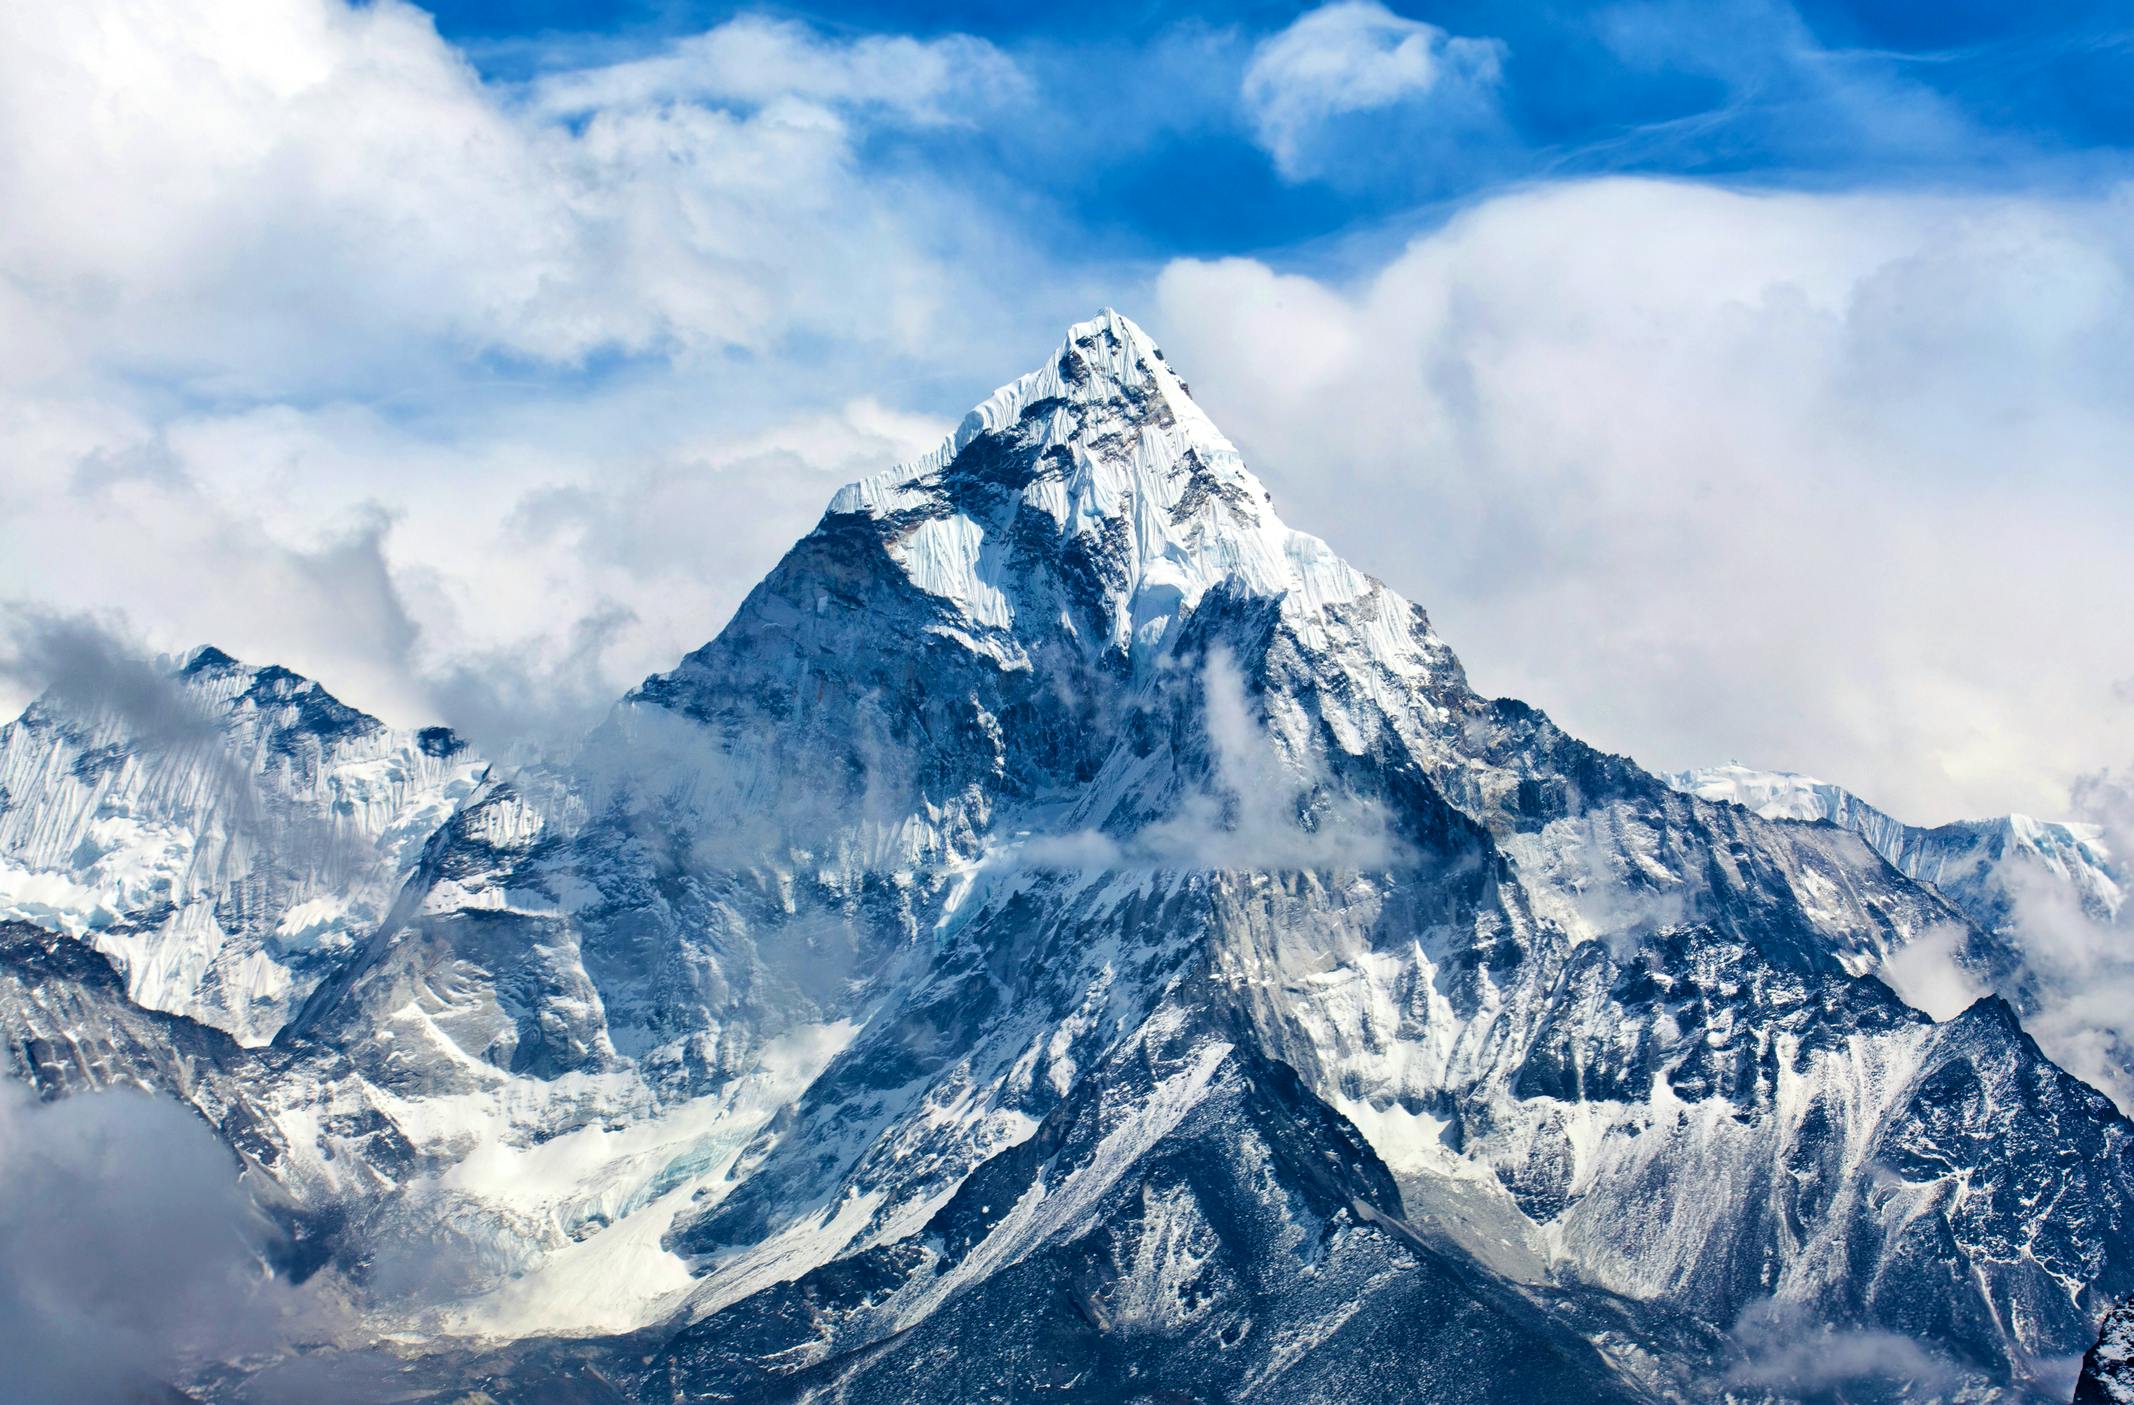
<point>1188,1219</point>
<point>2049,897</point>
<point>226,840</point>
<point>1071,932</point>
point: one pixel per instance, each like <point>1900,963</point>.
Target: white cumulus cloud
<point>273,197</point>
<point>1357,56</point>
<point>1828,483</point>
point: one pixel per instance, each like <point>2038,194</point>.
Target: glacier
<point>1069,933</point>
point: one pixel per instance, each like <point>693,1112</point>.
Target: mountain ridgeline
<point>1072,936</point>
<point>2046,903</point>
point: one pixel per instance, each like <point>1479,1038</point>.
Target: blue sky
<point>1819,95</point>
<point>1734,379</point>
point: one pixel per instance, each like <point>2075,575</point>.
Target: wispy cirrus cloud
<point>757,60</point>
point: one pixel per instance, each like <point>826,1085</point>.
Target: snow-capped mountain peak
<point>1776,795</point>
<point>1103,361</point>
<point>1143,493</point>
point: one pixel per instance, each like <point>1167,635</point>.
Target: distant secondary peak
<point>214,680</point>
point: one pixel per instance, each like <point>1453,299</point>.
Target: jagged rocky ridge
<point>1978,865</point>
<point>1072,932</point>
<point>2045,899</point>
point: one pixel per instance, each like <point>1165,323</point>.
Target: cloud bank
<point>262,199</point>
<point>127,1249</point>
<point>1826,483</point>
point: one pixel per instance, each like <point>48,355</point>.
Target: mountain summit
<point>1139,486</point>
<point>1072,933</point>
